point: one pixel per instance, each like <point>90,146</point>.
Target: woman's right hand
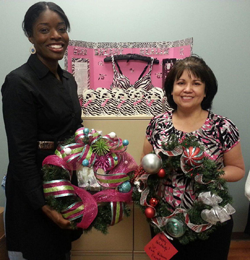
<point>56,217</point>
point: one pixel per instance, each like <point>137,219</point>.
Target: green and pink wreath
<point>112,169</point>
<point>211,206</point>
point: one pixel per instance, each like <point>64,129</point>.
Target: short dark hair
<point>198,68</point>
<point>34,12</point>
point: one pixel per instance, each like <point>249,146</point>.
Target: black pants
<point>247,229</point>
<point>216,247</point>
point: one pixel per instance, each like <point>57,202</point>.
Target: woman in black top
<point>40,103</point>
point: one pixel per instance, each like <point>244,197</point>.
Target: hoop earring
<point>32,50</point>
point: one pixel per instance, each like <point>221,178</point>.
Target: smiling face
<point>188,91</point>
<point>50,37</point>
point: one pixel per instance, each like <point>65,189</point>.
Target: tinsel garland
<point>205,177</point>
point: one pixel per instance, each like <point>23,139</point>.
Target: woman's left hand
<point>234,164</point>
<point>56,217</point>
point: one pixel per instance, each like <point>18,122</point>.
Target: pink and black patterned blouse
<point>218,135</point>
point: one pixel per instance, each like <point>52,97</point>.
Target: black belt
<point>48,145</point>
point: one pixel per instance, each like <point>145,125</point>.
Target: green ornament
<point>100,147</point>
<point>175,227</point>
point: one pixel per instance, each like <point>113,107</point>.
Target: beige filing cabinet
<point>125,240</point>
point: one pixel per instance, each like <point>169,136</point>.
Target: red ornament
<point>153,202</point>
<point>150,212</point>
<point>161,173</point>
<point>193,156</point>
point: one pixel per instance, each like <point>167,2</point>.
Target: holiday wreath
<point>211,201</point>
<point>102,200</point>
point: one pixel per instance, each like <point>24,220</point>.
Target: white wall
<point>220,29</point>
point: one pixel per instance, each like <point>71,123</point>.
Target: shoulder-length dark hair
<point>34,12</point>
<point>198,68</point>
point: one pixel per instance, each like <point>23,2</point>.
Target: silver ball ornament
<point>151,163</point>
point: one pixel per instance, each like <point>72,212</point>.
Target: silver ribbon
<point>199,179</point>
<point>216,213</point>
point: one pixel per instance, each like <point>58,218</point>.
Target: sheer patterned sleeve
<point>150,129</point>
<point>229,134</point>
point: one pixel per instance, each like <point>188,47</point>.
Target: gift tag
<point>160,248</point>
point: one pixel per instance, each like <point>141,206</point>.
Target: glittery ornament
<point>175,227</point>
<point>85,162</point>
<point>150,212</point>
<point>151,163</point>
<point>161,173</point>
<point>193,156</point>
<point>153,202</point>
<point>125,187</point>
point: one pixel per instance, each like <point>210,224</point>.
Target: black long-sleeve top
<point>36,107</point>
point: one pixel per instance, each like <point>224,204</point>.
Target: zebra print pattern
<point>119,102</point>
<point>113,48</point>
<point>123,82</point>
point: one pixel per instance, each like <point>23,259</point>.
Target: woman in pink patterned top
<point>190,88</point>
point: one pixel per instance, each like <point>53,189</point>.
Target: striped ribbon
<point>175,152</point>
<point>115,144</point>
<point>199,179</point>
<point>111,180</point>
<point>58,188</point>
<point>117,212</point>
<point>162,221</point>
<point>64,188</point>
<point>80,151</point>
<point>73,211</point>
<point>92,136</point>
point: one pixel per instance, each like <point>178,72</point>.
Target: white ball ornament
<point>151,163</point>
<point>112,135</point>
<point>67,151</point>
